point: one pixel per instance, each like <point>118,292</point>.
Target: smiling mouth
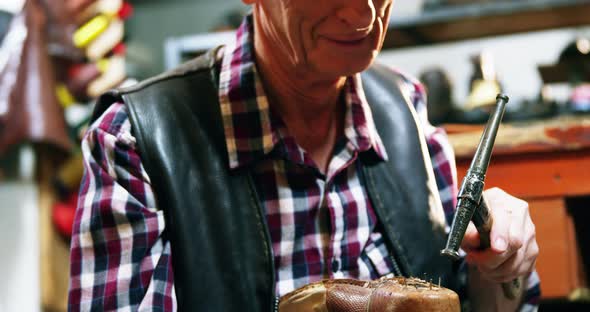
<point>347,42</point>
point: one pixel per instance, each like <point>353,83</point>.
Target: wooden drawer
<point>559,264</point>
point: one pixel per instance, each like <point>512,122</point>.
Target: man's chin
<point>345,67</point>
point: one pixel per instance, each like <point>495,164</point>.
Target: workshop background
<point>57,56</point>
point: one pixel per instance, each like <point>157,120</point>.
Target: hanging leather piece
<point>29,110</point>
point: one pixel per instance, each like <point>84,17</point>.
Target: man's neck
<point>310,105</point>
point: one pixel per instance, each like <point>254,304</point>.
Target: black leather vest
<point>221,253</point>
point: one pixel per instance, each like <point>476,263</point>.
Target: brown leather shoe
<point>391,295</point>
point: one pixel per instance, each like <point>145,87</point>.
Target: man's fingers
<point>519,215</point>
<point>519,264</point>
<point>500,233</point>
<point>487,260</point>
<point>510,215</point>
<point>514,250</point>
<point>508,270</point>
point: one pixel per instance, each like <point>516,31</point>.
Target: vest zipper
<point>276,307</point>
<point>396,270</point>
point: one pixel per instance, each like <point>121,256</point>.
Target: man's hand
<point>514,248</point>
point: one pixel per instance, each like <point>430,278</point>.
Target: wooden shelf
<point>488,19</point>
<point>566,133</point>
<point>546,163</point>
<point>437,26</point>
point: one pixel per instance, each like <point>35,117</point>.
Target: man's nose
<point>358,14</point>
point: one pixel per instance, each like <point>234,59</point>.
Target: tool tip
<point>502,97</point>
<point>450,253</point>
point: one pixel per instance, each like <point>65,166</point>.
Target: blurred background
<point>57,56</point>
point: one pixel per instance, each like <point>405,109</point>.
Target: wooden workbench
<point>546,163</point>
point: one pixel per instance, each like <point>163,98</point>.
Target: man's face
<point>330,37</point>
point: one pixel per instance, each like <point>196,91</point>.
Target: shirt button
<point>335,265</point>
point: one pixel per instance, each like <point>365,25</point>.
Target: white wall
<point>155,20</point>
<point>19,247</point>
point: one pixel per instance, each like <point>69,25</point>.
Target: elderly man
<point>279,160</point>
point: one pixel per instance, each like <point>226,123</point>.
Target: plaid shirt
<point>322,225</point>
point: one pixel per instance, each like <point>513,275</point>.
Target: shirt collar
<point>250,128</point>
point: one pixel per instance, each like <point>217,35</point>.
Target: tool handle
<point>483,221</point>
<point>469,195</point>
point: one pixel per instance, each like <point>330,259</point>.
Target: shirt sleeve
<point>119,258</point>
<point>445,172</point>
